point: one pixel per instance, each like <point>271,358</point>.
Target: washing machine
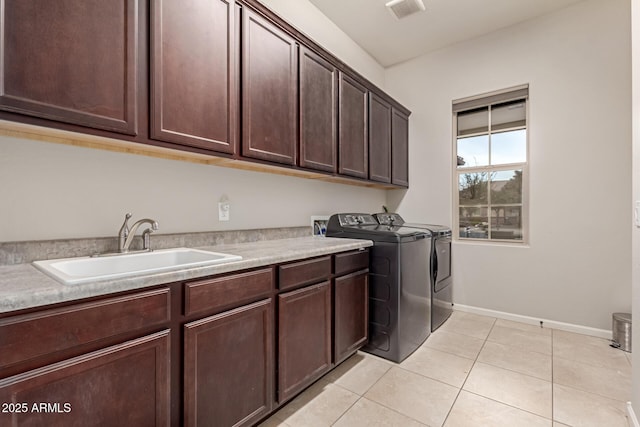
<point>440,255</point>
<point>399,301</point>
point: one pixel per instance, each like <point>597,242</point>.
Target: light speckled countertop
<point>23,286</point>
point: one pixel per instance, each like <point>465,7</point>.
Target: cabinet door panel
<point>123,385</point>
<point>318,114</point>
<point>228,367</point>
<point>351,314</point>
<point>64,328</point>
<point>304,351</point>
<point>73,61</point>
<point>269,91</point>
<point>379,139</point>
<point>193,73</point>
<point>352,142</point>
<point>400,148</point>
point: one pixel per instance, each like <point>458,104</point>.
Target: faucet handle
<point>124,232</point>
<point>125,225</point>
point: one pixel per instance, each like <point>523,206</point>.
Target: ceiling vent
<point>403,8</point>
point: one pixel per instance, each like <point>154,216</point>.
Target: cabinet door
<point>73,61</point>
<point>269,91</point>
<point>318,112</point>
<point>193,73</point>
<point>352,142</point>
<point>399,148</point>
<point>351,297</point>
<point>56,332</point>
<point>379,139</point>
<point>228,367</point>
<point>123,385</point>
<point>304,351</point>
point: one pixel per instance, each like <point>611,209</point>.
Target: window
<point>491,149</point>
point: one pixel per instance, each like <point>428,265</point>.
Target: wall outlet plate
<point>223,211</point>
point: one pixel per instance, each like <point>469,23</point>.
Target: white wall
<point>576,268</point>
<point>51,191</point>
<point>308,18</point>
<point>635,272</point>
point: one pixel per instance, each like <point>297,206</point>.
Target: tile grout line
<point>467,377</point>
<point>553,335</point>
<point>370,387</point>
<point>497,401</point>
<point>351,406</point>
<point>382,404</point>
<point>584,363</point>
<point>602,396</point>
<point>516,348</point>
<point>521,373</point>
<point>509,405</point>
<point>429,378</point>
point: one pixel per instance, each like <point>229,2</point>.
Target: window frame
<point>476,102</point>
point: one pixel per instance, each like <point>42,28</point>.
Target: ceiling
<point>444,23</point>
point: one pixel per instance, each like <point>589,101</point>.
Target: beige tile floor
<point>474,371</point>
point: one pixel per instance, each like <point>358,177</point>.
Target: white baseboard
<point>585,330</point>
<point>631,415</point>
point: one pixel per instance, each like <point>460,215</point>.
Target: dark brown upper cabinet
<point>269,91</point>
<point>379,139</point>
<point>352,123</point>
<point>72,61</point>
<point>318,112</point>
<point>224,78</point>
<point>193,73</point>
<point>399,148</point>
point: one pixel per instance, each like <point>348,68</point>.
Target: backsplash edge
<point>12,253</point>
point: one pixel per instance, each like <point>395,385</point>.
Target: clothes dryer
<point>440,274</point>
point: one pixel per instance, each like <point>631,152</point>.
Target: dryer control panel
<point>389,218</point>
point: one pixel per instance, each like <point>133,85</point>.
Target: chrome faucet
<point>126,235</point>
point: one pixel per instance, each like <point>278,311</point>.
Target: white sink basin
<point>86,269</point>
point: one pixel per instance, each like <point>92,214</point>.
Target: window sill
<point>494,243</point>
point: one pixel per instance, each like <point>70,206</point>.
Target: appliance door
<point>441,262</point>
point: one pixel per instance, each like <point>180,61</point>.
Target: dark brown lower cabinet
<point>195,353</point>
<point>228,367</point>
<point>122,385</point>
<point>304,350</point>
<point>351,296</point>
